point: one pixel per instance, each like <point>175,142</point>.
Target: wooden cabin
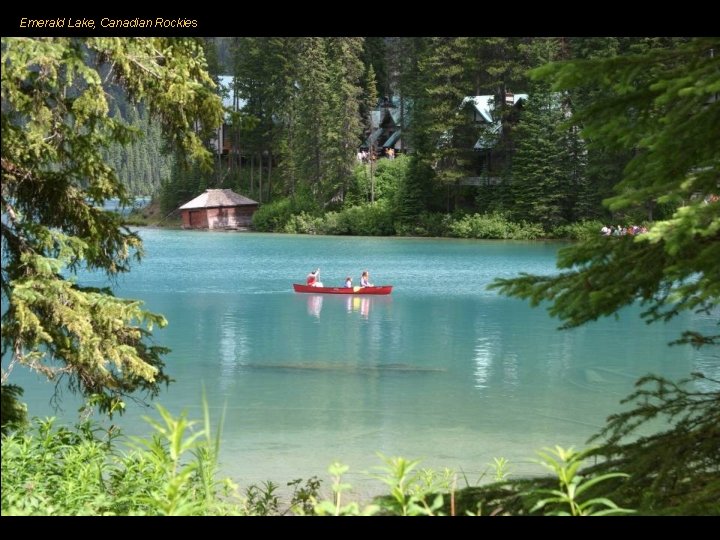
<point>218,209</point>
<point>386,126</point>
<point>489,161</point>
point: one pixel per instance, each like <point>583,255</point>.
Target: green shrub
<point>359,221</point>
<point>389,175</point>
<point>335,223</point>
<point>275,216</point>
<point>427,224</point>
<point>49,470</point>
<point>369,220</point>
<point>430,224</point>
<point>54,471</point>
<point>494,226</point>
<point>304,223</point>
<point>578,231</point>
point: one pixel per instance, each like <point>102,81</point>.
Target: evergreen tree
<point>344,122</point>
<point>370,99</point>
<point>543,169</point>
<point>449,148</point>
<point>326,114</point>
<point>374,55</point>
<point>313,115</point>
<point>498,65</point>
<point>434,103</point>
<point>403,78</point>
<point>184,182</point>
<point>265,78</point>
<point>367,106</point>
<point>412,198</point>
<point>142,164</point>
<point>405,65</point>
<point>539,182</point>
<point>582,200</point>
<point>604,166</point>
<point>55,128</point>
<point>662,105</point>
<point>283,67</point>
<point>212,57</point>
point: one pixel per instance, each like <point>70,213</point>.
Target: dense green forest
<point>299,109</point>
<point>142,165</point>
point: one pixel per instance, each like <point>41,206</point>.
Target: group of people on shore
<point>365,156</point>
<point>313,279</point>
<point>631,230</point>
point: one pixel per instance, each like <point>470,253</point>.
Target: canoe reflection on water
<point>353,303</point>
<point>359,303</point>
<point>314,305</point>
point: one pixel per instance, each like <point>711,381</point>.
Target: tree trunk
<point>239,173</point>
<point>260,189</point>
<point>252,173</point>
<point>402,122</point>
<point>317,170</point>
<point>238,153</point>
<point>269,175</point>
<point>219,153</point>
<point>372,175</point>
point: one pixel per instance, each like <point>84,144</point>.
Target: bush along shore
<point>378,220</point>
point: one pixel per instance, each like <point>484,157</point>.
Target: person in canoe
<point>365,279</point>
<point>348,282</point>
<point>312,278</point>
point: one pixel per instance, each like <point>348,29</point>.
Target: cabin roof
<point>484,105</point>
<point>392,139</point>
<point>214,198</point>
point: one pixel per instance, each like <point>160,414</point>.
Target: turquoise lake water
<point>441,370</point>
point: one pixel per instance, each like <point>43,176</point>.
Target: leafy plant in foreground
<point>410,491</point>
<point>565,501</point>
<point>334,507</point>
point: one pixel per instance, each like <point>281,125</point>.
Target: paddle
<point>356,288</point>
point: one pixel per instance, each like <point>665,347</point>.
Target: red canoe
<point>378,289</point>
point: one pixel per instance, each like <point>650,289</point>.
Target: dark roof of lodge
<point>214,198</point>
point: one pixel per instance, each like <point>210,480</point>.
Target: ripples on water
<point>442,369</point>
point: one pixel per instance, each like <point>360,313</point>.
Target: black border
<point>378,19</point>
